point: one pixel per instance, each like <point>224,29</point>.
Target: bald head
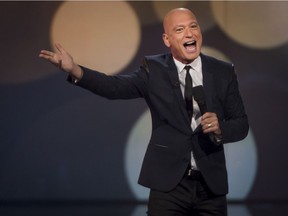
<point>172,14</point>
<point>182,34</point>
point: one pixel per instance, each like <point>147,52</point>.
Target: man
<point>184,165</point>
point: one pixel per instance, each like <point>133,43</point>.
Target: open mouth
<point>190,45</point>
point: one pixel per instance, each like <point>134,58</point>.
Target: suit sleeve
<point>114,87</point>
<point>235,125</point>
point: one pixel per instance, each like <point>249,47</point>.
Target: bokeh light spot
<point>214,53</point>
<point>162,7</point>
<point>101,35</point>
<point>260,24</point>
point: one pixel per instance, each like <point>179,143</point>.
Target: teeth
<point>189,43</point>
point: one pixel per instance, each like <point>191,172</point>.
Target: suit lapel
<point>207,81</point>
<point>174,78</point>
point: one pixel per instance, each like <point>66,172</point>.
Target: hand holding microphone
<point>209,121</point>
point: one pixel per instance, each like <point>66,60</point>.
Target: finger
<point>60,48</point>
<point>52,57</point>
<point>47,53</point>
<point>211,127</point>
<point>206,121</point>
<point>45,56</point>
<point>208,128</point>
<point>208,115</point>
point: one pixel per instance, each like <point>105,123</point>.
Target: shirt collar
<point>196,64</point>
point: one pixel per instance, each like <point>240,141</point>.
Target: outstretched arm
<point>62,60</point>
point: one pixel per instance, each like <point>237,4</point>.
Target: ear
<point>166,39</point>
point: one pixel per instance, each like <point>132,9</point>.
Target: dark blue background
<point>59,142</point>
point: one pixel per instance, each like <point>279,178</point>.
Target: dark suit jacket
<point>169,151</point>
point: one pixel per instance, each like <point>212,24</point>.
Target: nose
<point>188,32</point>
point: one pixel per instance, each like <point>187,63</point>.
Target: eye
<point>194,26</point>
<point>179,29</point>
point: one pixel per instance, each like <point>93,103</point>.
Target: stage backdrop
<point>60,142</point>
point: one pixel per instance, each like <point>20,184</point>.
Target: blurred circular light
<point>260,24</point>
<point>162,7</point>
<point>214,53</point>
<point>101,35</point>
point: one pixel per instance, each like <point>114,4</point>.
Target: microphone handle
<point>203,109</point>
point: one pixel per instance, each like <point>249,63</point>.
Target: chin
<point>191,58</point>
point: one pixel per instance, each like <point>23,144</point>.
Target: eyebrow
<point>183,25</point>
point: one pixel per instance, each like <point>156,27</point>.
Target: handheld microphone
<point>199,97</point>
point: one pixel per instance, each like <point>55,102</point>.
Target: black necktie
<point>188,93</point>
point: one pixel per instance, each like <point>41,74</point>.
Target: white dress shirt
<point>197,78</point>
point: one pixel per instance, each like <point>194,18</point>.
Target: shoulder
<point>215,66</point>
<point>215,62</point>
<point>159,58</point>
<point>157,62</point>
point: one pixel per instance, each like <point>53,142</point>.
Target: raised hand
<point>63,60</point>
